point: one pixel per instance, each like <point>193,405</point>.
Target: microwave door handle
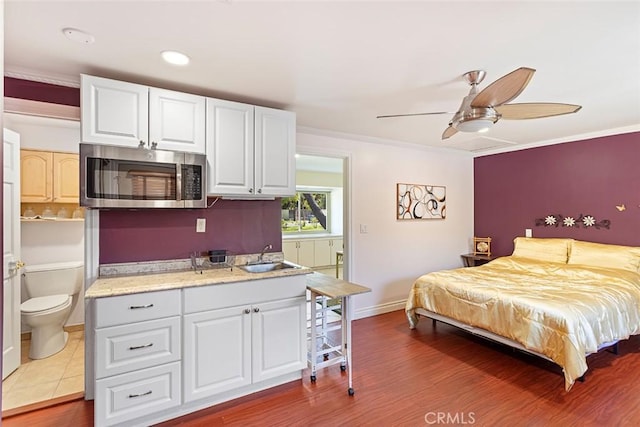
<point>179,182</point>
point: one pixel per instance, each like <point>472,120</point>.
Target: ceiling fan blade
<point>505,89</point>
<point>449,132</point>
<point>535,110</point>
<point>413,114</point>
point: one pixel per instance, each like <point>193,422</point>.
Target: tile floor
<point>39,380</point>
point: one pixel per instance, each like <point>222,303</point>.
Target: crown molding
<point>34,77</point>
<point>41,109</point>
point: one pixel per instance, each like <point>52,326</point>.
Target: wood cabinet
<point>49,177</point>
<point>301,252</point>
<point>121,113</point>
<point>250,150</point>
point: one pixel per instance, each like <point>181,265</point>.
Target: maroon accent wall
<point>43,92</point>
<point>159,234</point>
<point>587,177</point>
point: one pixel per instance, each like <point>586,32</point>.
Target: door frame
<point>346,198</point>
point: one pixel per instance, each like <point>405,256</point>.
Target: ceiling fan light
<point>476,125</point>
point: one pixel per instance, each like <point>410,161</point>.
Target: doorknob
<point>15,266</point>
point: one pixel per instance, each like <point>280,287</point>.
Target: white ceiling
<point>340,64</point>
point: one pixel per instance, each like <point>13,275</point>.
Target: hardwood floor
<point>425,376</point>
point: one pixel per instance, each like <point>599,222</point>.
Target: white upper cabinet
<point>275,146</point>
<point>229,147</point>
<point>250,150</point>
<point>120,113</point>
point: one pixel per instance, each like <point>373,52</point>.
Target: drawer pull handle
<point>135,307</point>
<point>247,311</point>
<point>136,347</point>
<point>131,396</point>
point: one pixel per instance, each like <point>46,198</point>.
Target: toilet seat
<point>43,304</point>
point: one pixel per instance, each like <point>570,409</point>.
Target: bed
<point>560,299</point>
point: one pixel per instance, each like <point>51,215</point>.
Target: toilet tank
<point>52,279</point>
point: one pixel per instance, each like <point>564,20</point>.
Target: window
<point>306,212</point>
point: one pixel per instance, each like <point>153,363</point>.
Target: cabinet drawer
<point>240,293</point>
<point>126,348</point>
<point>126,309</point>
<point>126,397</point>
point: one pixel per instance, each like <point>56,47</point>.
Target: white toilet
<point>51,288</point>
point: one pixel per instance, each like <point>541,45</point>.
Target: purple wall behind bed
<point>587,177</point>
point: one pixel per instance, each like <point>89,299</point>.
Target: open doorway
<point>314,221</point>
<point>50,234</point>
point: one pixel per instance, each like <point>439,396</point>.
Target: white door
<point>11,263</point>
<point>229,148</point>
<point>114,112</point>
<point>176,120</point>
<point>217,351</point>
<point>279,338</point>
<point>275,147</point>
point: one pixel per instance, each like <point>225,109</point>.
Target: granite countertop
<point>108,286</point>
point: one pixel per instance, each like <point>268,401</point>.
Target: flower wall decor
<point>585,221</point>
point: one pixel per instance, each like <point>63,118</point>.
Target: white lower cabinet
<point>161,355</point>
<point>232,347</point>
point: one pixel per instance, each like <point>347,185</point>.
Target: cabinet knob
<point>154,145</point>
<point>247,311</point>
<point>259,190</point>
<point>141,144</point>
<point>256,309</point>
<point>251,190</point>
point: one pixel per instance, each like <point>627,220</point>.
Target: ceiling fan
<point>479,111</point>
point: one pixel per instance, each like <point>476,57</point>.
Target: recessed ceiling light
<point>78,35</point>
<point>175,58</point>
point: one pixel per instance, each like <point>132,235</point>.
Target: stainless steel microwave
<point>125,177</point>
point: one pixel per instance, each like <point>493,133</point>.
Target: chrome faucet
<point>266,248</point>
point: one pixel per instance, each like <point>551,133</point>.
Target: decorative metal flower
<point>569,222</point>
<point>550,220</point>
<point>588,221</point>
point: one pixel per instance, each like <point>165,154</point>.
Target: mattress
<point>562,311</point>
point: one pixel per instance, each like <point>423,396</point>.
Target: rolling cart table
<point>332,295</point>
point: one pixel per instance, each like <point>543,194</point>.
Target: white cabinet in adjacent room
<point>250,150</point>
<point>121,113</point>
<point>301,252</point>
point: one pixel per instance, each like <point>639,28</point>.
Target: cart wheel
<point>313,378</point>
<point>351,391</point>
<point>343,368</point>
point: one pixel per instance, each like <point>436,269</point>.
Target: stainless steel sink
<point>266,267</point>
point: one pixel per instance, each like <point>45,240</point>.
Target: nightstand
<point>471,260</point>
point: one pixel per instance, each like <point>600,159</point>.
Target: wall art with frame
<point>417,201</point>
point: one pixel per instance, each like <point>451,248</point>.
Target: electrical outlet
<point>201,225</point>
<point>527,232</point>
<point>363,229</point>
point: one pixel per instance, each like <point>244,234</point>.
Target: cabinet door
<point>290,250</point>
<point>35,176</point>
<point>66,178</point>
<point>113,112</point>
<point>176,120</point>
<point>275,146</point>
<point>306,253</point>
<point>322,250</point>
<point>336,245</point>
<point>217,351</point>
<point>279,338</point>
<point>229,148</point>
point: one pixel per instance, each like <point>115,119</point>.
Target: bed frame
<point>483,333</point>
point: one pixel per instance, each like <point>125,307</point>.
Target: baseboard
<point>379,309</point>
<point>26,336</point>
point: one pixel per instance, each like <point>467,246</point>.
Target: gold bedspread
<point>562,311</point>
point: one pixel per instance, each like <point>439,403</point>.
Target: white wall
<point>49,242</point>
<point>392,254</point>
